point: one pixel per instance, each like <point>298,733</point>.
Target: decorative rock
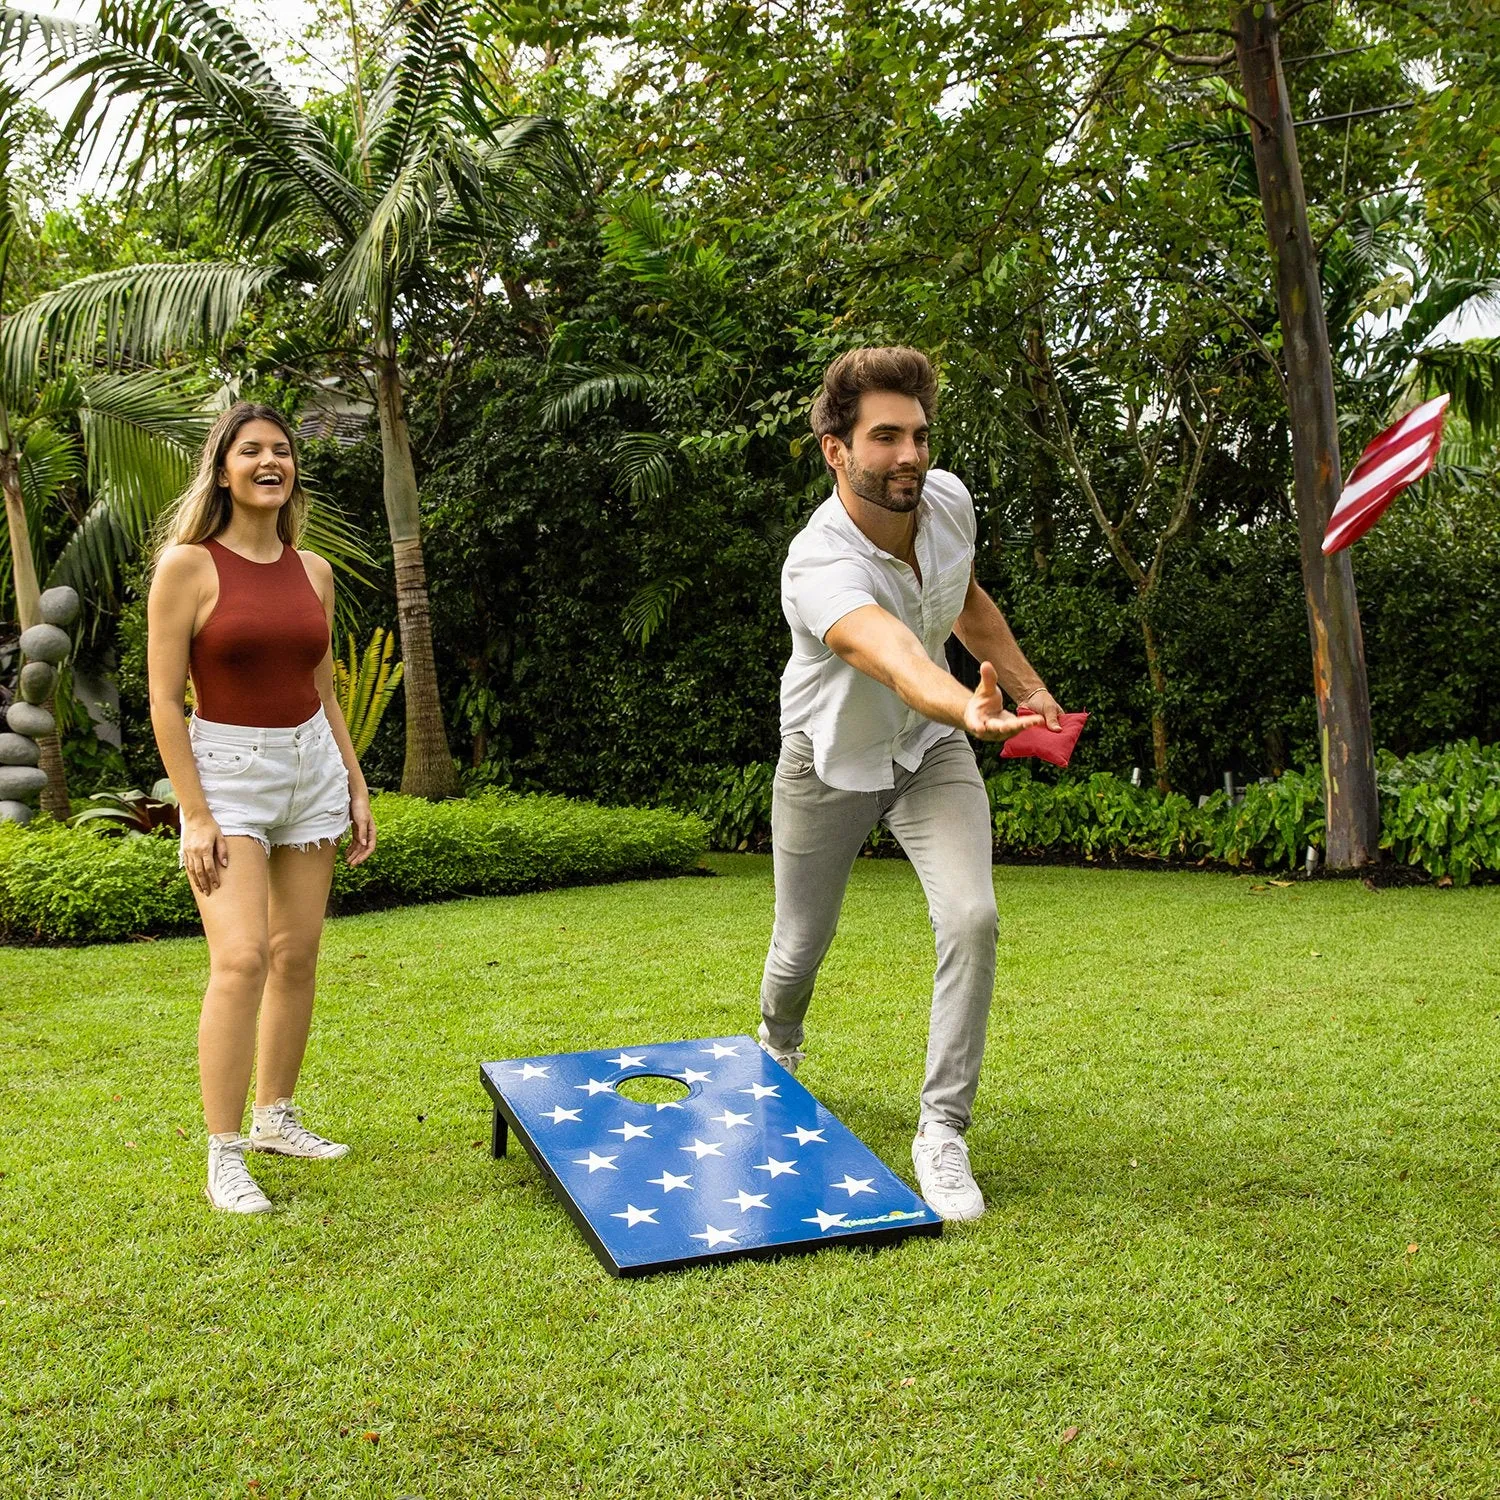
<point>46,643</point>
<point>20,781</point>
<point>60,605</point>
<point>37,679</point>
<point>28,719</point>
<point>14,812</point>
<point>18,750</point>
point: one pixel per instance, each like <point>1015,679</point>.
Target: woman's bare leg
<point>299,882</point>
<point>234,922</point>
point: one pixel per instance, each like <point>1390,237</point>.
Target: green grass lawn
<point>1240,1147</point>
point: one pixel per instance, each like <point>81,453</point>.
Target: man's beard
<point>874,485</point>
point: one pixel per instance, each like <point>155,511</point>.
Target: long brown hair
<point>205,507</point>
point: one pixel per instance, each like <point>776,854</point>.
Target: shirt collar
<point>845,522</point>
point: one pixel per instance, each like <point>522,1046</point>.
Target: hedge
<point>64,884</point>
<point>1439,812</point>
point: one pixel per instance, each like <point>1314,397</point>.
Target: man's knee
<point>970,924</point>
<point>794,963</point>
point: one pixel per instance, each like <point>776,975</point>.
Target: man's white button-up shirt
<point>858,726</point>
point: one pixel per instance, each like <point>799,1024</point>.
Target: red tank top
<point>254,659</point>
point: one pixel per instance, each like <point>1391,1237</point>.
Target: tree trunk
<point>1158,678</point>
<point>428,770</point>
<point>1338,651</point>
<point>23,567</point>
<point>54,797</point>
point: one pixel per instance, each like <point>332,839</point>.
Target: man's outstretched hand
<point>986,717</point>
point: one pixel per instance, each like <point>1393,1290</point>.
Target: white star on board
<point>629,1132</point>
<point>595,1087</point>
<point>593,1161</point>
<point>668,1104</point>
<point>529,1070</point>
<point>853,1185</point>
<point>716,1236</point>
<point>692,1077</point>
<point>729,1119</point>
<point>633,1216</point>
<point>718,1050</point>
<point>826,1221</point>
<point>557,1114</point>
<point>700,1149</point>
<point>627,1060</point>
<point>748,1200</point>
<point>763,1090</point>
<point>666,1182</point>
<point>802,1137</point>
<point>779,1168</point>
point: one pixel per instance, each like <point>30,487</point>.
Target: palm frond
<point>192,80</point>
<point>136,313</point>
<point>394,235</point>
<point>141,433</point>
<point>50,461</point>
<point>332,535</point>
<point>534,146</point>
<point>11,211</point>
<point>642,461</point>
<point>650,607</point>
<point>426,87</point>
<point>592,388</point>
<point>1470,372</point>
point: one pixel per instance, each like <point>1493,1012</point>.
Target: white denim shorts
<point>277,786</point>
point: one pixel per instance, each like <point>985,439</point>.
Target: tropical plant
<point>400,194</point>
<point>131,811</point>
<point>365,685</point>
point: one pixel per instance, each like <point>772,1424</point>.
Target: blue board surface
<point>748,1163</point>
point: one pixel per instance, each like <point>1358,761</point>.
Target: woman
<point>266,776</point>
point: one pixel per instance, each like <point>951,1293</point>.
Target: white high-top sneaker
<point>940,1157</point>
<point>231,1189</point>
<point>278,1128</point>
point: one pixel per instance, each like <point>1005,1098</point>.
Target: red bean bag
<point>1052,745</point>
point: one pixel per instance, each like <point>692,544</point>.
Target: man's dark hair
<point>897,369</point>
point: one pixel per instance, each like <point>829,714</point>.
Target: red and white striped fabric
<point>1400,456</point>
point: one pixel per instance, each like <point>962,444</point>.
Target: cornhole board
<point>748,1163</point>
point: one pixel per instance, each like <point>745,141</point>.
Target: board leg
<point>498,1134</point>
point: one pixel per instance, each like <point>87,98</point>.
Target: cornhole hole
<point>746,1163</point>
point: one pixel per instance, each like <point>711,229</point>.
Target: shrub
<point>1440,812</point>
<point>64,884</point>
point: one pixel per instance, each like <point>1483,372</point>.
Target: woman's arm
<point>362,845</point>
<point>180,588</point>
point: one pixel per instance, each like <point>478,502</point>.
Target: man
<point>871,720</point>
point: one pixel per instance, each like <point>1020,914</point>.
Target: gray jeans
<point>940,815</point>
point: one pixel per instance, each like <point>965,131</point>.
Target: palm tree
<point>420,177</point>
<point>127,437</point>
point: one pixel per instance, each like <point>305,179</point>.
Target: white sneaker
<point>941,1161</point>
<point>788,1060</point>
<point>278,1128</point>
<point>231,1189</point>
